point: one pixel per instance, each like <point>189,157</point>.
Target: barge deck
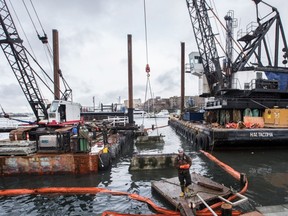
<point>61,152</point>
<point>202,188</point>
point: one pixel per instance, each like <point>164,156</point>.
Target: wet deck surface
<point>206,188</point>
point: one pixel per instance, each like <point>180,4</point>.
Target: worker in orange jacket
<point>183,163</point>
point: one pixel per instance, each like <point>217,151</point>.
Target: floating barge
<point>60,152</point>
<point>249,86</point>
<point>149,139</point>
<point>207,136</point>
<point>204,196</point>
<point>152,161</point>
<point>201,189</point>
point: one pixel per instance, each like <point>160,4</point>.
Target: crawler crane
<point>256,79</point>
<point>49,117</point>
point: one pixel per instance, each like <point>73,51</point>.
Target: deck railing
<point>117,120</point>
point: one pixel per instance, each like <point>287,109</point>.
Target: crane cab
<point>63,112</point>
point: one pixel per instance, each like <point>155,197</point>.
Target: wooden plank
<point>212,187</point>
<point>184,208</point>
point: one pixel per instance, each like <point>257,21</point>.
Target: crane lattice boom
<point>14,51</point>
<point>206,43</point>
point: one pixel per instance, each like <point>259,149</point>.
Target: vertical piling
<point>182,76</point>
<point>130,80</point>
<point>56,65</point>
<point>226,209</point>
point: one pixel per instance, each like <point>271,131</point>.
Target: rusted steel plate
<point>49,164</point>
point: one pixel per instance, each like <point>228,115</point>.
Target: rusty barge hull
<point>22,157</point>
<point>206,137</point>
<point>42,164</point>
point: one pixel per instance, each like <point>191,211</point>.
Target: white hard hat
<point>180,150</point>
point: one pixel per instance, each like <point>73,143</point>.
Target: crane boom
<point>205,39</point>
<point>246,83</point>
<point>256,42</point>
<point>13,48</point>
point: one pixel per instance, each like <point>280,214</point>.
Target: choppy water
<point>15,122</point>
<point>267,173</point>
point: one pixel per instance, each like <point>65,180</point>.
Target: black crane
<point>15,52</point>
<point>266,88</point>
<point>206,43</point>
<point>256,42</point>
<point>62,110</point>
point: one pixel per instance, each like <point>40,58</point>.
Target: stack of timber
<point>21,147</point>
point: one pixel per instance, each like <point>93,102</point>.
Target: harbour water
<point>14,122</point>
<point>266,170</point>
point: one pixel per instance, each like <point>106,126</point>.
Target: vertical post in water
<point>56,65</point>
<point>182,77</point>
<point>130,80</point>
<point>226,209</point>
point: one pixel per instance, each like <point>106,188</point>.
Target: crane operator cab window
<point>54,106</point>
<point>62,112</point>
<point>57,112</point>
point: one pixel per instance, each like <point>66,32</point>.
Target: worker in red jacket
<point>183,163</point>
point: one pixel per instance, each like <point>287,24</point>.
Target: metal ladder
<point>242,199</point>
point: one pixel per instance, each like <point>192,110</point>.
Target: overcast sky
<point>93,46</point>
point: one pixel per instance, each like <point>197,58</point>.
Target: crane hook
<point>147,68</point>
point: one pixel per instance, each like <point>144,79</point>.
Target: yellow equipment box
<point>276,117</point>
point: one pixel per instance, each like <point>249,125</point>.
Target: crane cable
<point>44,38</point>
<point>146,38</point>
<point>147,69</point>
<point>22,28</point>
<point>224,27</point>
<point>25,35</point>
<point>146,50</point>
<point>32,54</point>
